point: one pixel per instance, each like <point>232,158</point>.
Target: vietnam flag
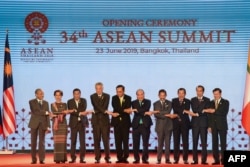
<point>246,105</point>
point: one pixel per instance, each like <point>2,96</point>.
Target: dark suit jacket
<point>100,105</point>
<point>218,119</point>
<point>197,107</point>
<point>163,122</point>
<point>82,105</point>
<point>183,120</point>
<point>38,114</point>
<point>123,118</point>
<point>146,120</point>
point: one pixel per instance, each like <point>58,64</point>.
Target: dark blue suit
<point>217,121</point>
<point>181,126</point>
<point>141,127</point>
<point>199,126</point>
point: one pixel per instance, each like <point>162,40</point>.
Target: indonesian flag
<point>246,105</point>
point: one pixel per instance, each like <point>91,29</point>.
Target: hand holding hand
<point>148,113</point>
<point>134,110</point>
<point>84,113</point>
<point>156,111</point>
<point>114,114</point>
<point>210,110</point>
<point>108,112</point>
<point>51,115</point>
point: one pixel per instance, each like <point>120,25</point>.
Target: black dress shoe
<point>186,162</point>
<point>72,161</point>
<point>176,162</point>
<point>57,162</point>
<point>125,161</point>
<point>215,163</point>
<point>97,161</point>
<point>145,162</point>
<point>108,161</point>
<point>33,162</point>
<point>158,162</point>
<point>42,162</point>
<point>82,161</point>
<point>168,162</point>
<point>204,163</point>
<point>136,162</point>
<point>119,161</point>
<point>194,163</point>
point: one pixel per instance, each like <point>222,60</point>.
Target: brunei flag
<point>246,105</point>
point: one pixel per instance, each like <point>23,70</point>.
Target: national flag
<point>9,114</point>
<point>1,122</point>
<point>246,105</point>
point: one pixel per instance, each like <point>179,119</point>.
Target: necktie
<point>99,97</point>
<point>216,104</point>
<point>40,103</point>
<point>77,104</point>
<point>162,105</point>
<point>121,99</point>
<point>141,122</point>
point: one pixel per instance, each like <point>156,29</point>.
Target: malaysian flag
<point>9,117</point>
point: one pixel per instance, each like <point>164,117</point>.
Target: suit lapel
<point>221,101</point>
<point>74,101</point>
<point>159,105</point>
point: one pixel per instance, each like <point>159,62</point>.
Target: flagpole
<point>248,143</point>
<point>6,150</point>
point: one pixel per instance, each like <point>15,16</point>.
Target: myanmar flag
<point>246,105</point>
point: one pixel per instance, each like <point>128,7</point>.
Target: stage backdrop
<point>148,44</point>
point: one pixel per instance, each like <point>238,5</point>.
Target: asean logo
<point>36,23</point>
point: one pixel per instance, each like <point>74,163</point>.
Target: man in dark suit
<point>164,125</point>
<point>77,122</point>
<point>121,122</point>
<point>100,122</point>
<point>181,125</point>
<point>217,124</point>
<point>199,124</point>
<point>141,126</point>
<point>39,124</point>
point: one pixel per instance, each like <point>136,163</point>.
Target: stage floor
<point>24,160</point>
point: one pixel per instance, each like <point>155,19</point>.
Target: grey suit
<point>39,123</point>
<point>164,127</point>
